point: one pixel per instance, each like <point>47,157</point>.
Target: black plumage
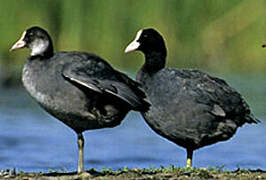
<point>80,89</point>
<point>188,107</point>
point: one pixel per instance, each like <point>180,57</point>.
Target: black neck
<point>49,51</point>
<point>154,61</point>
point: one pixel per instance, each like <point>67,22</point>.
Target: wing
<point>225,101</point>
<point>95,74</point>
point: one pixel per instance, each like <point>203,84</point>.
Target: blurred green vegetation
<point>213,35</point>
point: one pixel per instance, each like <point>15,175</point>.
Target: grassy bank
<point>154,173</point>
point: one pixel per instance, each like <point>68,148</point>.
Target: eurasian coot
<point>80,89</point>
<point>188,107</point>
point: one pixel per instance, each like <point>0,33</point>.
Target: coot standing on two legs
<point>188,107</point>
<point>80,89</point>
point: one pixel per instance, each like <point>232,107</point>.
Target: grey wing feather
<point>106,80</point>
<point>87,84</point>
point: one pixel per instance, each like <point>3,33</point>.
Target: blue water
<point>32,140</point>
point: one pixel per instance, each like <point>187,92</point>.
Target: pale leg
<point>189,157</point>
<point>81,153</point>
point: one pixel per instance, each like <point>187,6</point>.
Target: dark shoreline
<point>157,173</point>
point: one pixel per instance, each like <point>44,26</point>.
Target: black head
<point>147,41</point>
<point>36,39</point>
<point>264,45</point>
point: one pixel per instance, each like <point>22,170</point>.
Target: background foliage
<point>221,36</point>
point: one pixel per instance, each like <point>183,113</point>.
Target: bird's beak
<point>19,44</point>
<point>134,45</point>
<point>264,45</point>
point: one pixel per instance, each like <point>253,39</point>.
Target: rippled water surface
<point>32,140</point>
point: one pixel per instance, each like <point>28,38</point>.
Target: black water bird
<point>188,107</point>
<point>80,89</point>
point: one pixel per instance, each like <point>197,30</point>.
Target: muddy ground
<point>139,174</point>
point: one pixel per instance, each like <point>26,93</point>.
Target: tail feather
<point>252,119</point>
